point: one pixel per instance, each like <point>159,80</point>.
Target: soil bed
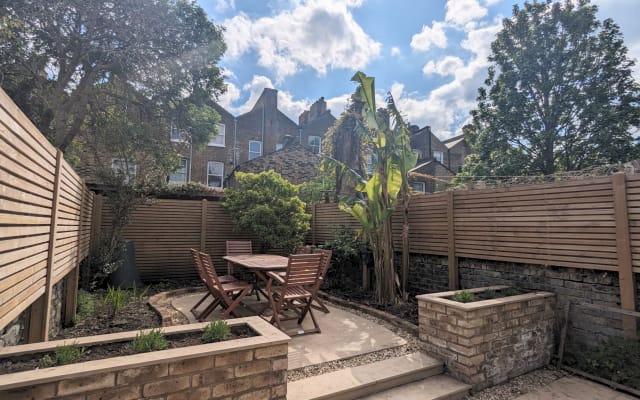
<point>98,352</point>
<point>490,294</point>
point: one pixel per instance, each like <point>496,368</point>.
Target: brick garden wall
<point>259,374</point>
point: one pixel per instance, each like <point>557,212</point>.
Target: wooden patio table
<point>259,265</point>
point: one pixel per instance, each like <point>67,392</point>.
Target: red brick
<point>200,393</point>
<point>213,376</point>
<point>36,392</point>
<point>232,387</point>
<point>236,357</point>
<point>252,368</point>
<point>279,364</point>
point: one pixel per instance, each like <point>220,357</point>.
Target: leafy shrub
<point>463,297</point>
<point>349,252</point>
<point>489,294</point>
<point>216,331</point>
<point>86,305</point>
<point>151,341</point>
<point>510,292</point>
<point>62,355</point>
<point>116,299</point>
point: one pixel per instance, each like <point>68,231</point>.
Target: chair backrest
<point>211,275</point>
<point>326,260</point>
<point>196,260</point>
<point>239,247</point>
<point>303,270</point>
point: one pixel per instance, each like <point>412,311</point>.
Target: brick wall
<point>487,342</point>
<point>428,274</point>
<point>246,374</point>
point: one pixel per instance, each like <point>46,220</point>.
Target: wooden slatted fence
<point>45,221</point>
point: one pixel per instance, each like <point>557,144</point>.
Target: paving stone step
<point>438,387</point>
<point>356,382</point>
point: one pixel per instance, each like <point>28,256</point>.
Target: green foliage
<point>86,305</point>
<point>463,297</point>
<point>189,189</point>
<point>616,359</point>
<point>139,295</point>
<point>63,355</point>
<point>134,80</point>
<point>560,95</point>
<point>266,206</point>
<point>489,294</point>
<point>348,253</point>
<point>116,299</point>
<point>386,135</point>
<point>510,292</point>
<point>318,189</point>
<point>153,340</point>
<point>216,331</point>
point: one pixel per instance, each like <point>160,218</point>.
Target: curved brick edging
<point>165,310</point>
<point>390,318</point>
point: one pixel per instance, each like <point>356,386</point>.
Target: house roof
<point>451,142</point>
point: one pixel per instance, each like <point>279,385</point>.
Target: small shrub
<point>86,305</point>
<point>216,331</point>
<point>151,341</point>
<point>62,355</point>
<point>463,297</point>
<point>489,294</point>
<point>117,299</point>
<point>139,296</point>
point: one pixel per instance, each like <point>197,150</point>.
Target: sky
<point>431,55</point>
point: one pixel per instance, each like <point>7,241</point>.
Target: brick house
<point>438,160</point>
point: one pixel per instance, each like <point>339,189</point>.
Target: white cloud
<point>224,5</point>
<point>446,108</point>
<point>317,34</point>
<point>446,66</point>
<point>462,12</point>
<point>430,36</point>
<point>395,51</point>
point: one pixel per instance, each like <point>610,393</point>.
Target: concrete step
<point>356,382</point>
<point>439,387</point>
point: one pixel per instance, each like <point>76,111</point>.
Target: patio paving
<point>344,334</point>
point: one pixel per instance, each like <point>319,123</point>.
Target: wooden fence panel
<point>327,218</point>
<point>32,238</point>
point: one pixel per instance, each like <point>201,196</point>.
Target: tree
<point>559,96</point>
<point>266,206</point>
<point>67,63</point>
<point>386,135</point>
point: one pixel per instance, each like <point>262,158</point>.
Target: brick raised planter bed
<point>254,367</point>
<point>487,342</point>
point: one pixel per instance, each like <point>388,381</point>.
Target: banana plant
<point>385,134</point>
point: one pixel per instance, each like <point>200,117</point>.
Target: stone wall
<point>429,274</point>
<point>487,342</point>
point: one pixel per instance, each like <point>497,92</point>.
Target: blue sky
<point>430,54</point>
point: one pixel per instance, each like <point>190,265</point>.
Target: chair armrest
<point>274,276</point>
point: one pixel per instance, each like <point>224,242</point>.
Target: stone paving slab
<point>344,334</point>
<point>575,388</point>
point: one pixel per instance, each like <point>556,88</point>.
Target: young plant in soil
<point>463,297</point>
<point>117,299</point>
<point>152,341</point>
<point>216,331</point>
<point>62,355</point>
<point>86,305</point>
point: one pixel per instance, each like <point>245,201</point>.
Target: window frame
<point>435,156</point>
<point>185,173</point>
<point>221,135</point>
<point>221,176</point>
<point>313,146</point>
<point>253,152</point>
<point>117,167</point>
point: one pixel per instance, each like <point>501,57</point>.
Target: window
<point>279,146</point>
<point>180,175</point>
<point>418,187</point>
<point>124,168</point>
<point>315,143</point>
<point>255,149</point>
<point>215,174</point>
<point>418,152</point>
<point>218,141</point>
<point>177,135</point>
<point>438,156</point>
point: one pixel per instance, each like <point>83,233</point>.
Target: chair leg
<point>308,309</point>
<point>320,305</point>
<point>207,311</point>
<point>200,302</point>
<point>237,299</point>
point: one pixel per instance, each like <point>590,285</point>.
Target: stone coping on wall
<point>439,298</point>
<point>268,335</point>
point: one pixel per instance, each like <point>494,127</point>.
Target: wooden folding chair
<point>324,267</point>
<point>202,275</point>
<point>295,290</point>
<point>226,295</point>
<point>237,248</point>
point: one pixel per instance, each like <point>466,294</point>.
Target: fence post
<point>39,326</point>
<point>71,296</point>
<point>203,226</point>
<point>96,223</point>
<point>623,245</point>
<point>313,223</point>
<point>454,282</point>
